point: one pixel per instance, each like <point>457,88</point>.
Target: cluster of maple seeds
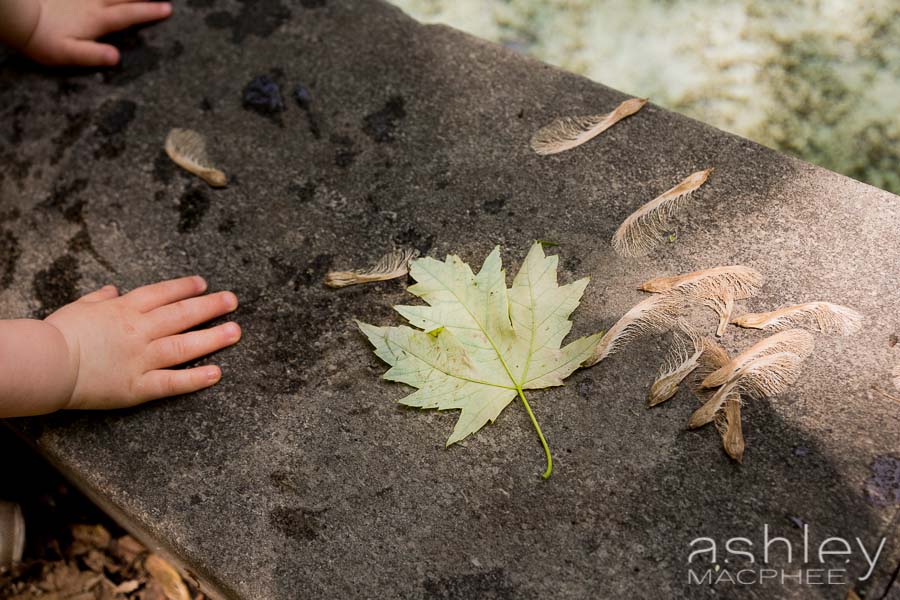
<point>765,369</point>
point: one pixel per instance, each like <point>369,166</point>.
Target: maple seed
<point>569,132</point>
<point>390,266</point>
<point>645,227</point>
<point>187,149</point>
<point>478,345</point>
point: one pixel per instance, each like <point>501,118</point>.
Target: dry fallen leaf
<point>126,587</point>
<point>478,344</point>
<point>167,577</point>
<point>127,549</point>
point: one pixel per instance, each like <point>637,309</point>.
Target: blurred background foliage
<point>818,79</point>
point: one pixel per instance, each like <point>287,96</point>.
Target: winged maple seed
<point>718,287</point>
<point>728,423</point>
<point>652,315</point>
<point>822,316</point>
<point>478,345</point>
<point>797,341</point>
<point>390,266</point>
<point>682,360</point>
<point>568,132</point>
<point>743,281</point>
<point>187,149</point>
<point>766,375</point>
<point>645,227</point>
<point>728,418</point>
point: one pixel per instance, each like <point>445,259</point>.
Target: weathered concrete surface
<point>297,476</point>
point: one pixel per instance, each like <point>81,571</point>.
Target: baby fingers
<point>179,349</point>
<point>122,15</point>
<point>184,314</point>
<point>84,53</point>
<point>148,297</point>
<point>164,383</point>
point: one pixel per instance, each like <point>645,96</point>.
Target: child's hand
<point>121,347</point>
<point>62,32</point>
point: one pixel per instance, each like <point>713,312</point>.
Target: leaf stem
<point>537,428</point>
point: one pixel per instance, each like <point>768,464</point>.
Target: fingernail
<point>201,283</point>
<point>232,330</point>
<point>231,301</point>
<point>213,374</point>
<point>165,9</point>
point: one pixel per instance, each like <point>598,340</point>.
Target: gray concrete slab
<point>298,476</point>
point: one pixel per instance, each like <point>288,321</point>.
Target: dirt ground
<point>73,550</point>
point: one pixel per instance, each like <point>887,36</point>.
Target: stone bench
<point>298,476</point>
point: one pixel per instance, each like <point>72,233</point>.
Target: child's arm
<point>109,351</point>
<point>62,32</point>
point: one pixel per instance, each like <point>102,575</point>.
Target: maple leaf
<point>478,345</point>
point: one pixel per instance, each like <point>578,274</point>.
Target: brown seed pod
<point>187,149</point>
<point>568,132</point>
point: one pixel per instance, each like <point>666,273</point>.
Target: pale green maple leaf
<point>478,345</point>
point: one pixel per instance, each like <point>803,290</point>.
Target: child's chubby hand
<point>121,348</point>
<point>64,30</point>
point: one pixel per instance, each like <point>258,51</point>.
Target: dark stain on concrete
<point>586,389</point>
<point>263,96</point>
<point>411,236</point>
<point>57,285</point>
<point>303,96</point>
<point>488,585</point>
<point>138,58</point>
<point>313,3</point>
<point>175,51</point>
<point>494,206</point>
<point>75,125</point>
<point>9,257</point>
<point>303,192</point>
<point>114,118</point>
<point>257,17</point>
<point>380,125</point>
<point>295,523</point>
<point>66,88</point>
<point>82,242</point>
<point>191,208</point>
<point>345,154</point>
<point>883,487</point>
<point>163,167</point>
<point>315,271</point>
<point>65,201</point>
<point>226,226</point>
<point>16,167</point>
<point>16,129</point>
<point>10,215</point>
